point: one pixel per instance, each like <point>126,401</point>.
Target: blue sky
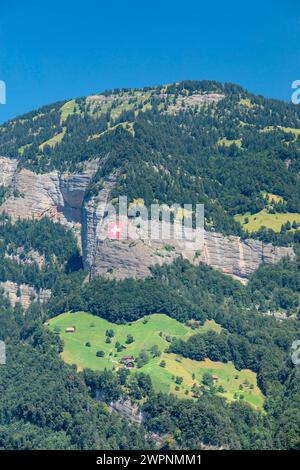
<point>54,50</point>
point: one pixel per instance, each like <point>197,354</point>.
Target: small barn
<point>70,329</point>
<point>128,361</point>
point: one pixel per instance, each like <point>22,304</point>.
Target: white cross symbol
<point>115,230</point>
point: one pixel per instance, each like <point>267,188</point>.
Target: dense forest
<point>44,403</point>
<point>56,249</point>
<point>249,339</point>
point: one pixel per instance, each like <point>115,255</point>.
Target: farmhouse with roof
<point>128,361</point>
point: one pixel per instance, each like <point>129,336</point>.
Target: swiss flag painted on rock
<point>115,230</point>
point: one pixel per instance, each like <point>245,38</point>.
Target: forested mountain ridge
<point>191,142</point>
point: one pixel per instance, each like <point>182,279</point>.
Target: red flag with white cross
<point>115,230</point>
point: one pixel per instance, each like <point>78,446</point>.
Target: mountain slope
<point>191,142</point>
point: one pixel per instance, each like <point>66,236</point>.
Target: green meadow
<point>153,330</point>
<point>228,143</point>
<point>290,130</point>
<point>265,219</point>
<point>54,140</point>
<point>67,110</point>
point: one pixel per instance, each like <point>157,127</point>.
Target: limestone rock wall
<point>132,258</point>
<point>237,257</point>
<point>92,216</point>
<point>8,168</point>
<point>60,196</point>
<point>23,293</point>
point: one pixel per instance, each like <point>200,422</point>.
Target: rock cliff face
<point>92,216</point>
<point>8,168</point>
<point>121,259</point>
<point>61,197</point>
<point>23,293</point>
<point>127,409</point>
<point>237,257</point>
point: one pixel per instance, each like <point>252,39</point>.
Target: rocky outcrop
<point>127,409</point>
<point>60,196</point>
<point>23,293</point>
<point>120,259</point>
<point>23,258</point>
<point>191,101</point>
<point>237,257</point>
<point>92,216</point>
<point>8,168</point>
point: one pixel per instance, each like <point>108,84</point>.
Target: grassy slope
<point>92,329</point>
<point>67,109</point>
<point>292,130</point>
<point>264,219</point>
<point>54,140</point>
<point>228,143</point>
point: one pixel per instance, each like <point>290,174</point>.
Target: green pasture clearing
<point>265,219</point>
<point>272,197</point>
<point>54,140</point>
<point>91,328</point>
<point>127,126</point>
<point>136,101</point>
<point>246,102</point>
<point>22,149</point>
<point>67,109</point>
<point>228,143</point>
<point>292,130</point>
<point>236,384</point>
<point>156,329</point>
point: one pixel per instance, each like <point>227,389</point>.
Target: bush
<point>129,339</point>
